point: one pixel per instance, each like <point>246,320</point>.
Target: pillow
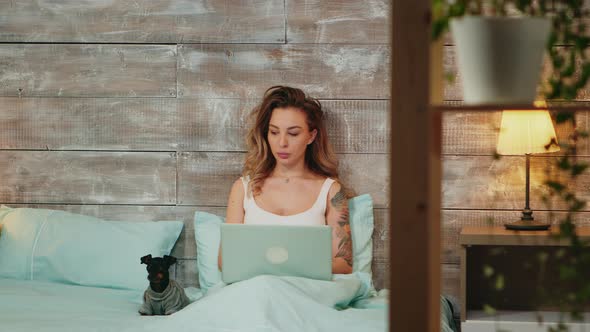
<point>207,236</point>
<point>360,210</point>
<point>40,244</point>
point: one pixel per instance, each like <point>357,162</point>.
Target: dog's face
<point>158,267</point>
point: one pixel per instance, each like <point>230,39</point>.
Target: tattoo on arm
<point>340,203</point>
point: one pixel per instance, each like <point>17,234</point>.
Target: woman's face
<point>289,135</point>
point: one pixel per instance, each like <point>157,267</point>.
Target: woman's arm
<point>337,218</point>
<point>235,209</point>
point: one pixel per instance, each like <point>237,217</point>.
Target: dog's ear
<point>146,259</point>
<point>169,260</point>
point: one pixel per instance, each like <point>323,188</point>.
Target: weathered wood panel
<point>451,280</point>
<point>454,91</point>
<point>213,124</point>
<point>470,132</point>
<point>187,272</point>
<point>61,70</point>
<point>205,178</point>
<point>358,126</point>
<point>323,71</point>
<point>87,177</point>
<point>347,21</point>
<point>89,123</point>
<point>143,21</point>
<point>454,220</point>
<point>476,133</point>
<point>480,182</point>
<point>170,124</point>
<point>381,234</point>
<point>381,271</point>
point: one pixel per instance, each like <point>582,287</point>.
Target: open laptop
<point>251,250</point>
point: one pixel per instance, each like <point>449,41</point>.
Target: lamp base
<point>527,225</point>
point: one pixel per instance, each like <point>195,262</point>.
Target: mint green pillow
<point>208,238</point>
<point>208,234</point>
<point>51,245</point>
<point>362,224</point>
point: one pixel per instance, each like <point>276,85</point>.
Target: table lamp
<point>527,132</point>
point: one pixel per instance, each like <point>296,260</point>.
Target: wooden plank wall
<point>136,110</point>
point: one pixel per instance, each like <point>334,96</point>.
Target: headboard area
<point>59,155</point>
<point>144,119</point>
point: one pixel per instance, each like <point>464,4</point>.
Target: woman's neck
<point>289,172</point>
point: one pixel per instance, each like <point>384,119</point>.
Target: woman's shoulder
<point>239,184</point>
<point>242,179</point>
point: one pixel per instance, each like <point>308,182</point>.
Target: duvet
<point>261,304</point>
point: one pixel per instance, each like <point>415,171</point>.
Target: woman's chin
<point>285,162</point>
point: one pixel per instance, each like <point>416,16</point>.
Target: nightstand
<point>512,253</point>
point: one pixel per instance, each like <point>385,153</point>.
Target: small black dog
<point>164,296</point>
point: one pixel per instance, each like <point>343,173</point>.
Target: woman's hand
<point>337,217</point>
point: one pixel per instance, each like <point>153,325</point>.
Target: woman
<point>290,175</point>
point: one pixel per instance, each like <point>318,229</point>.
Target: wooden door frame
<point>415,170</point>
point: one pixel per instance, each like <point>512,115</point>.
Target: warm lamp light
<point>527,132</point>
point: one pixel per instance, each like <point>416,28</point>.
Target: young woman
<point>290,174</point>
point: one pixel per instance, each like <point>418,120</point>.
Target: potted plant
<point>500,47</point>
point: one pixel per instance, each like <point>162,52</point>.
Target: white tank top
<point>314,216</point>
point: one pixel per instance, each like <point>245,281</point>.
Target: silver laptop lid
<point>251,250</point>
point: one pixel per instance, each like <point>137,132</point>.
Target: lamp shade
<point>526,132</point>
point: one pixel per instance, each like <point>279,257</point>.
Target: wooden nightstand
<point>518,247</point>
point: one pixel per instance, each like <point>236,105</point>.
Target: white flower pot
<point>500,58</point>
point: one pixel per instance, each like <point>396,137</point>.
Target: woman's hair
<point>319,156</point>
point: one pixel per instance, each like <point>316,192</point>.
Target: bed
<point>57,273</point>
<point>260,304</point>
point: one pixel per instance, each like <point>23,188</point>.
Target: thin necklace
<point>288,178</point>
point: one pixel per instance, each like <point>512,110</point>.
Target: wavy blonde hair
<point>319,156</point>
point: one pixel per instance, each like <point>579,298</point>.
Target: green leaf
<point>439,27</point>
<point>578,169</point>
<point>522,5</point>
<point>569,92</point>
<point>450,76</point>
<point>557,186</point>
<point>557,61</point>
<point>583,76</point>
<point>543,256</point>
<point>488,271</point>
<point>550,42</point>
<point>571,65</point>
<point>563,163</point>
<point>457,9</point>
<point>489,309</point>
<point>562,117</point>
<point>499,282</point>
<point>567,272</point>
<point>578,205</point>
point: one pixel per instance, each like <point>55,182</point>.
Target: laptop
<point>251,250</point>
